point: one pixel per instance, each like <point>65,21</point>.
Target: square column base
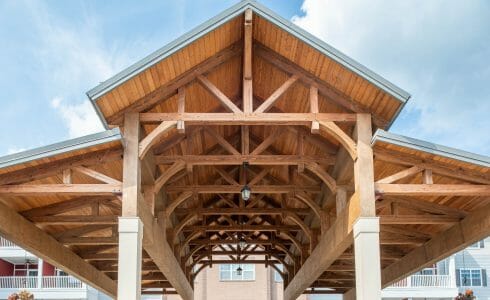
<point>129,264</point>
<point>367,259</point>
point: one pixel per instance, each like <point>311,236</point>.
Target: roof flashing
<point>61,147</point>
<point>420,145</point>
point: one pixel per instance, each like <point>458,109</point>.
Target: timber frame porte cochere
<point>246,99</point>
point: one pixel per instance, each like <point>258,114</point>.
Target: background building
<point>20,269</point>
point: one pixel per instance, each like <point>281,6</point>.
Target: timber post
<point>130,226</point>
<point>366,227</point>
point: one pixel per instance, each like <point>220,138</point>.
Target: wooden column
<point>130,225</point>
<point>350,295</point>
<point>366,227</point>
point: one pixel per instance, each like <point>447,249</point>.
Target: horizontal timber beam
<point>20,231</point>
<point>248,119</point>
<point>241,228</point>
<point>240,159</point>
<point>433,189</point>
<point>235,241</point>
<point>242,252</point>
<point>244,211</point>
<point>75,219</point>
<point>243,262</point>
<point>417,219</point>
<point>106,256</point>
<point>236,189</point>
<point>61,189</point>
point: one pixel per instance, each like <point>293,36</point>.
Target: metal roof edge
<point>331,52</point>
<point>395,116</point>
<point>99,113</point>
<point>61,147</point>
<point>416,144</point>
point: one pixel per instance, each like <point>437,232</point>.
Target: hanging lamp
<point>246,191</point>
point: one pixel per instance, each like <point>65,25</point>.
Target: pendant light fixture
<point>242,243</point>
<point>238,252</point>
<point>246,189</point>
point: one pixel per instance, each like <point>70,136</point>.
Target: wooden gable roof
<point>301,143</point>
<point>346,84</point>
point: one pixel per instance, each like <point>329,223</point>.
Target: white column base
<point>367,259</point>
<point>129,266</point>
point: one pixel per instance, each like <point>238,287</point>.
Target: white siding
<point>476,258</point>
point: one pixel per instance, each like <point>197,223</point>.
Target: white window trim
<point>461,280</point>
<point>472,246</point>
<point>57,272</point>
<point>26,269</point>
<point>432,268</point>
<point>231,275</point>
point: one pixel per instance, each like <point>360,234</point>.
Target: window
<point>470,277</point>
<point>477,245</point>
<point>228,272</point>
<point>25,270</point>
<point>429,271</point>
<point>277,276</point>
<point>61,272</point>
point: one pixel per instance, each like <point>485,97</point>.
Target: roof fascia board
<point>99,114</point>
<point>61,147</point>
<point>448,152</point>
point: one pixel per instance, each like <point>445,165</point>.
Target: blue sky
<point>55,51</point>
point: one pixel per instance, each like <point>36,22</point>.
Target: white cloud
<point>434,49</point>
<point>13,150</point>
<point>74,57</point>
<point>80,119</point>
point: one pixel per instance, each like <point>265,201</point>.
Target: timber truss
<point>312,177</point>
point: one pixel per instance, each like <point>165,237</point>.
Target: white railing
<point>61,282</point>
<point>7,244</point>
<point>18,282</point>
<point>424,281</point>
<point>48,282</point>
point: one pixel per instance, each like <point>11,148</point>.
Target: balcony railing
<point>18,282</point>
<point>48,282</point>
<point>7,244</point>
<point>443,281</point>
<point>61,282</point>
